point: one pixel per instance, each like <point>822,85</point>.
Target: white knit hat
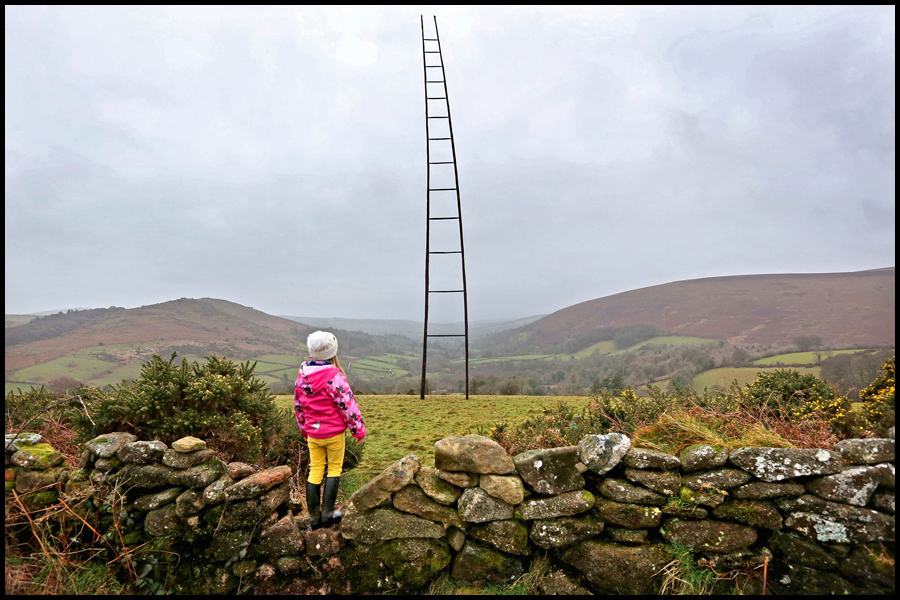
<point>322,345</point>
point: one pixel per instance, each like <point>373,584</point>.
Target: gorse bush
<point>219,401</point>
<point>879,398</point>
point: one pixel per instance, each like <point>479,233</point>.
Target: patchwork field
<point>744,375</point>
<point>800,358</point>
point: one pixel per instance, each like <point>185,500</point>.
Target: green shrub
<point>879,399</point>
<point>220,402</point>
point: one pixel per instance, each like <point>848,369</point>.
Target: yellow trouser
<point>333,447</point>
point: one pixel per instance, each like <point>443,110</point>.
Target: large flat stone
<point>708,536</point>
<point>472,454</point>
<point>866,451</point>
<point>619,569</point>
<point>477,506</point>
<point>601,453</point>
<point>550,471</point>
<point>564,505</point>
<point>392,479</point>
<point>776,464</point>
<point>388,523</point>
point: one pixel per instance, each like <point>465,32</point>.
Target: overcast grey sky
<point>275,157</point>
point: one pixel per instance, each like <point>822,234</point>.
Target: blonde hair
<point>333,360</point>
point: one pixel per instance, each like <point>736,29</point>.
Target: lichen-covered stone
<point>619,569</point>
<point>436,488</point>
<point>852,486</point>
<point>620,490</point>
<point>759,490</point>
<point>870,564</point>
<point>145,476</point>
<point>477,506</point>
<point>413,562</point>
<point>509,536</point>
<point>810,503</point>
<point>254,485</point>
<point>478,563</point>
<point>456,538</point>
<point>392,479</point>
<point>37,456</point>
<point>37,500</point>
<point>558,583</point>
<point>157,500</point>
<point>827,529</point>
<point>459,479</point>
<point>227,545</point>
<point>627,536</point>
<point>323,542</point>
<point>564,505</point>
<point>16,441</point>
<point>756,513</point>
<point>184,460</point>
<point>413,500</point>
<point>508,488</point>
<point>553,534</point>
<point>776,464</point>
<point>708,536</point>
<point>214,493</point>
<point>239,470</point>
<point>162,521</point>
<point>718,479</point>
<point>200,476</point>
<point>664,482</point>
<point>141,452</point>
<point>703,456</point>
<point>629,516</point>
<point>801,551</point>
<point>643,458</point>
<point>246,513</point>
<point>189,503</point>
<point>381,524</point>
<point>866,451</point>
<point>188,444</point>
<point>711,498</point>
<point>244,568</point>
<point>107,464</point>
<point>803,581</point>
<point>288,565</point>
<point>683,510</point>
<point>107,444</point>
<point>281,539</point>
<point>601,453</point>
<point>472,454</point>
<point>883,501</point>
<point>550,471</point>
<point>29,481</point>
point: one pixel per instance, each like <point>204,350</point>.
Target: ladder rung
<point>437,98</point>
<point>441,189</point>
<point>432,139</point>
<point>446,291</point>
<point>447,251</point>
<point>434,66</point>
<point>430,39</point>
<point>434,82</point>
<point>446,117</point>
<point>432,52</point>
<point>446,335</point>
<point>443,162</point>
<point>443,219</point>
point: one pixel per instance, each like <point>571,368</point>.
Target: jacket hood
<point>318,375</point>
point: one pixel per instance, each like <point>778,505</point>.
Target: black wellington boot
<point>329,515</point>
<point>312,505</point>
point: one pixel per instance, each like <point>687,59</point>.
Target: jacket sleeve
<point>345,402</point>
<point>298,409</point>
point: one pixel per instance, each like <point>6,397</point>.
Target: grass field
<point>799,358</point>
<point>744,375</point>
<point>401,425</point>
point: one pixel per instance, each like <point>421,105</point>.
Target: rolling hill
<point>849,310</point>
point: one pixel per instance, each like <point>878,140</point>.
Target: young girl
<point>325,407</point>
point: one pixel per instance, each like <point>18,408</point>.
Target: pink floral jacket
<point>324,404</point>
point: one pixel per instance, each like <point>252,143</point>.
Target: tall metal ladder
<point>431,76</point>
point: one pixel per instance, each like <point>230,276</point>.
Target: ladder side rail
<point>458,204</point>
<point>427,212</point>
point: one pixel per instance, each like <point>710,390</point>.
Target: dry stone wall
<point>610,517</point>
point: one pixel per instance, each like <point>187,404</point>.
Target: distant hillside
<point>843,309</point>
<point>412,329</point>
<point>187,325</point>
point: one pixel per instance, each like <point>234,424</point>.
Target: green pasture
<point>744,375</point>
<point>503,358</point>
<point>68,366</point>
<point>286,360</point>
<point>401,425</point>
<point>19,319</point>
<point>800,358</point>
